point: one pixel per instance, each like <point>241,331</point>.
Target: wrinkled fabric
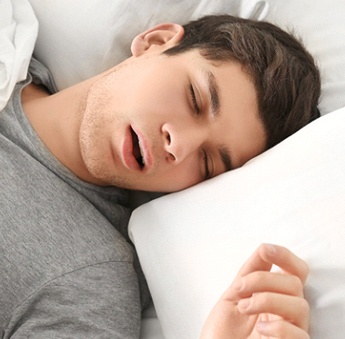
<point>18,34</point>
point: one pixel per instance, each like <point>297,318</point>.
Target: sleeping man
<point>191,103</point>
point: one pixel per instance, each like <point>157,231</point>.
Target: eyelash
<point>207,171</point>
<point>194,101</point>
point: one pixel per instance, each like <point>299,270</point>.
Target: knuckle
<point>257,277</point>
<point>261,300</point>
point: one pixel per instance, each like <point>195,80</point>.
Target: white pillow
<point>192,243</point>
<point>321,25</point>
<point>81,38</point>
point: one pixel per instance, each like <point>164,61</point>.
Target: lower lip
<point>127,152</point>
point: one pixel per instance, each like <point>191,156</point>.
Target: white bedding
<point>192,243</point>
<point>18,33</point>
<point>293,195</point>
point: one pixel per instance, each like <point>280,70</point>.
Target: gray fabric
<point>66,266</point>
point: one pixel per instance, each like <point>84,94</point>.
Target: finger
<point>289,262</point>
<point>293,309</point>
<point>281,329</point>
<point>257,261</point>
<point>267,255</point>
<point>257,282</point>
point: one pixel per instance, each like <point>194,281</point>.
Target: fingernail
<point>271,250</point>
<point>244,304</point>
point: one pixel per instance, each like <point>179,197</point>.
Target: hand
<point>263,304</point>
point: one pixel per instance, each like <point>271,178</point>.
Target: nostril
<point>170,157</point>
<point>168,137</point>
<point>166,134</point>
<point>169,146</point>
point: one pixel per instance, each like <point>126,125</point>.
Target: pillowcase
<point>81,38</point>
<point>192,243</point>
<point>321,26</point>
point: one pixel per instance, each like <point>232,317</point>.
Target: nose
<point>181,141</point>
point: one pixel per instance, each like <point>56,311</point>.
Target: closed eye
<point>194,101</point>
<point>206,165</point>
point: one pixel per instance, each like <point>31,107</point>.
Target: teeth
<point>138,153</point>
<point>141,153</point>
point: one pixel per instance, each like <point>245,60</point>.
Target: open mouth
<point>137,151</point>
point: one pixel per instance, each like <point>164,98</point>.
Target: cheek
<point>156,100</point>
<point>183,176</point>
<point>155,86</point>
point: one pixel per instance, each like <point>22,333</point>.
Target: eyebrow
<point>215,109</point>
<point>214,93</point>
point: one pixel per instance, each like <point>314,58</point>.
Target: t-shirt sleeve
<point>99,301</point>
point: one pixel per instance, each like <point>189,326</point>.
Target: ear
<point>157,39</point>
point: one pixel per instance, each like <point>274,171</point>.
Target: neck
<point>56,120</point>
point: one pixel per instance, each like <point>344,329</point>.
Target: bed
<point>191,243</point>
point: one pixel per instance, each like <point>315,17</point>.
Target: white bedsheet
<point>18,33</point>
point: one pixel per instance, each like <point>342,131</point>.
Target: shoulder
<point>96,300</point>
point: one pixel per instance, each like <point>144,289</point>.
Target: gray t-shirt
<point>67,269</point>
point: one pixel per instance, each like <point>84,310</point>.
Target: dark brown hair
<point>284,73</point>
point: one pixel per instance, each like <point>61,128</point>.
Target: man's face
<point>164,123</point>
